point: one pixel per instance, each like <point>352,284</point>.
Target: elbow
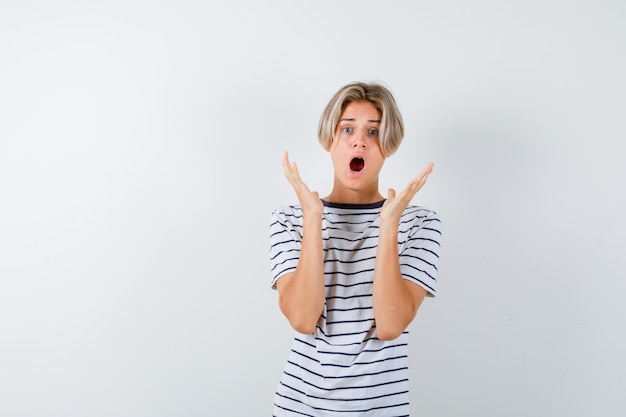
<point>388,334</point>
<point>301,320</point>
<point>304,327</point>
<point>300,323</point>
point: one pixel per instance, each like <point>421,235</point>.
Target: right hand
<point>309,200</point>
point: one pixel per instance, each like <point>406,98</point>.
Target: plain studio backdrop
<point>140,149</point>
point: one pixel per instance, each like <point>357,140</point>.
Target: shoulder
<point>287,215</point>
<point>420,217</point>
<point>287,211</point>
<point>421,214</point>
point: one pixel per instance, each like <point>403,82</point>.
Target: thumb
<point>391,193</point>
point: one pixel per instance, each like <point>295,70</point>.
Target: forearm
<point>302,295</point>
<point>394,306</point>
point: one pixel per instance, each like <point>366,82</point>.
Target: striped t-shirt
<point>343,369</point>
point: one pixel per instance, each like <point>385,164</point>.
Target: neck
<point>348,196</point>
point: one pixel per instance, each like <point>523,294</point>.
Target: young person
<point>352,268</point>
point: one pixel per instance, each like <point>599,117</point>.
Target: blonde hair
<point>391,127</point>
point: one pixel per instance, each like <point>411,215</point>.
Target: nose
<point>359,139</point>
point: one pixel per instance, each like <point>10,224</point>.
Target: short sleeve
<point>420,243</point>
<point>285,240</point>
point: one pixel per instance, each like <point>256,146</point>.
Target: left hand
<point>395,205</point>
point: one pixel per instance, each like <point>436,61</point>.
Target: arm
<point>395,299</point>
<point>301,294</point>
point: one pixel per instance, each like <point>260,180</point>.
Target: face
<point>356,154</point>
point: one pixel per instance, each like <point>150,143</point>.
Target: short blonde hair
<point>391,127</point>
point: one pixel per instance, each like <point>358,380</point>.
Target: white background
<point>140,147</point>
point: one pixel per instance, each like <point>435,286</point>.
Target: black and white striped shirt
<point>343,369</point>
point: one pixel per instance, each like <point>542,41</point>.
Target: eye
<point>373,132</point>
<point>346,129</point>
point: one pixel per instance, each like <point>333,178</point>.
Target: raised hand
<point>395,205</point>
<point>309,200</point>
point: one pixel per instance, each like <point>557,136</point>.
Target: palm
<point>395,205</point>
<point>309,200</point>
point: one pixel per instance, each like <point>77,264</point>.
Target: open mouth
<point>357,164</point>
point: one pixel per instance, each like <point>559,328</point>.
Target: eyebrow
<point>352,120</point>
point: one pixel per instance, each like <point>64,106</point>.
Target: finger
<point>286,163</point>
<point>418,182</point>
<point>294,172</point>
<point>414,186</point>
<point>290,169</point>
<point>426,171</point>
<point>423,176</point>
